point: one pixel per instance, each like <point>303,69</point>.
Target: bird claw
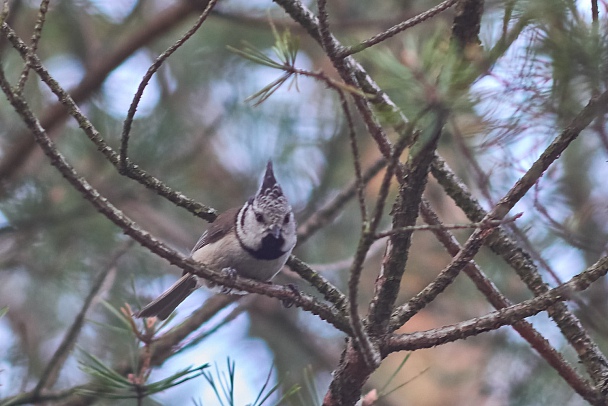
<point>229,273</point>
<point>287,303</point>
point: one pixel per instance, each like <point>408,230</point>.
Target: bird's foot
<point>229,273</point>
<point>287,303</point>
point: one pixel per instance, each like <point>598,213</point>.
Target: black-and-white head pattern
<point>265,225</point>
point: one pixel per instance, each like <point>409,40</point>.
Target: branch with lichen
<point>134,172</point>
<point>129,227</point>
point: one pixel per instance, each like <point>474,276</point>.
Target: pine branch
<point>56,114</point>
<point>130,228</point>
<point>398,28</point>
<point>506,316</point>
<point>499,301</point>
<point>133,172</point>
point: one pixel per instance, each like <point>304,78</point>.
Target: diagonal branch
<point>85,124</point>
<point>492,321</point>
<point>499,301</point>
<point>129,227</point>
<point>500,210</point>
<point>323,286</point>
<point>397,28</point>
<point>54,115</point>
<point>329,211</point>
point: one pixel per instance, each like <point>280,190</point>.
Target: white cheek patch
<point>249,231</point>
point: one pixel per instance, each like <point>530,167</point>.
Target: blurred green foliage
<point>198,134</point>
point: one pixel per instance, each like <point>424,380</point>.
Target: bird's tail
<point>164,305</point>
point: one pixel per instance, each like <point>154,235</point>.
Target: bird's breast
<point>228,253</point>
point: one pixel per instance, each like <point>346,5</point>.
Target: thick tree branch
<point>405,213</point>
<point>467,23</point>
<point>394,117</point>
<point>362,341</point>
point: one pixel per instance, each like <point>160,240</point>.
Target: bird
<point>253,241</point>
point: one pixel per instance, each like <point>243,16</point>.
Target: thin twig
<point>226,320</point>
<point>396,29</point>
<point>433,227</point>
<point>329,211</point>
<point>479,175</point>
<point>343,264</point>
<point>40,20</point>
<point>561,230</point>
<point>356,158</point>
<point>126,129</point>
<point>323,286</point>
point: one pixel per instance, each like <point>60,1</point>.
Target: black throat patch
<point>270,249</point>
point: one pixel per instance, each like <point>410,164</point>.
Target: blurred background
<point>196,132</point>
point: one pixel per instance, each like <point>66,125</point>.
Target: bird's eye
<point>286,219</point>
<point>259,217</point>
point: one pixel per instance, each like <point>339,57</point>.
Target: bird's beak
<point>275,231</point>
